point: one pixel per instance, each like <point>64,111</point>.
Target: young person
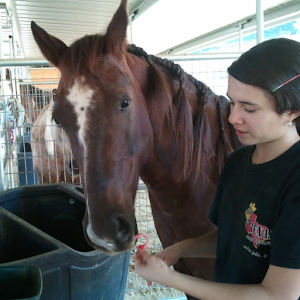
<point>257,203</point>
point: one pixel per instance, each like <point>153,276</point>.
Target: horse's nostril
<point>123,229</point>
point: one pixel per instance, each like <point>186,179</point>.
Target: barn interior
<point>203,37</point>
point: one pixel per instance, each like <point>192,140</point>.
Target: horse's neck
<point>168,159</point>
<point>198,133</point>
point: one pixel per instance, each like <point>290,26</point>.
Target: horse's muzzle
<point>120,239</point>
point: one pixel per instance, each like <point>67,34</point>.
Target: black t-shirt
<point>257,211</point>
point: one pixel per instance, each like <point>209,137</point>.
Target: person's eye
<point>249,111</point>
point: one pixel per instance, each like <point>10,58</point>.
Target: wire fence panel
<point>35,150</point>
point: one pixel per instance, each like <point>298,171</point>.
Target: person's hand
<point>151,267</point>
<point>170,255</point>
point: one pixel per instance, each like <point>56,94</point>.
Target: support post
<point>259,21</point>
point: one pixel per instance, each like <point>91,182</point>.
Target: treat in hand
<point>143,247</point>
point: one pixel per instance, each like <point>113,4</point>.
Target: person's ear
<point>293,115</point>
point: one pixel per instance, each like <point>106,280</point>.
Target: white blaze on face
<point>80,96</point>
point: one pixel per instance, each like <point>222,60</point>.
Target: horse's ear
<point>115,37</point>
<point>51,47</point>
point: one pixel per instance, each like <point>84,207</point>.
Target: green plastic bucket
<point>20,282</point>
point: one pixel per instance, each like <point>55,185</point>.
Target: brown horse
<point>51,151</point>
<point>131,115</point>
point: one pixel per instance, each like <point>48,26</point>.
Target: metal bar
<point>2,117</point>
<point>179,298</point>
<point>1,168</point>
<point>23,62</point>
<point>240,37</point>
<point>17,31</point>
<point>226,55</point>
<point>259,21</point>
<point>1,40</point>
<point>142,186</point>
<point>37,62</point>
<point>38,82</point>
<point>2,132</point>
<point>9,154</point>
<point>144,6</point>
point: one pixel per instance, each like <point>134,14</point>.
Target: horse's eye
<point>124,104</point>
<point>56,122</point>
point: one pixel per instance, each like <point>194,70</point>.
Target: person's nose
<point>234,116</point>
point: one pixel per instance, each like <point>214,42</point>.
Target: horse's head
<point>101,107</point>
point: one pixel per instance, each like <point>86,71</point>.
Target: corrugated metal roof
<point>68,19</point>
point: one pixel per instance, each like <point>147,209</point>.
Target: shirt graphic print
<point>258,234</point>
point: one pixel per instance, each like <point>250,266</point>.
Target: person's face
<point>254,114</point>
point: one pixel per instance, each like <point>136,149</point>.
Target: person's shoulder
<point>295,150</point>
<point>291,158</point>
<point>290,170</point>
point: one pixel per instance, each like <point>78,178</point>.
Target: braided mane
<point>192,132</point>
<point>170,65</point>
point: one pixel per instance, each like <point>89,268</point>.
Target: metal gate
<point>27,89</point>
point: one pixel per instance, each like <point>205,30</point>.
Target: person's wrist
<point>168,277</point>
<point>183,249</point>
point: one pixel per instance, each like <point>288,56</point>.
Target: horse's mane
<point>192,132</point>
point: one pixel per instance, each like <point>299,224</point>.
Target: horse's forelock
<point>87,56</point>
<point>83,56</point>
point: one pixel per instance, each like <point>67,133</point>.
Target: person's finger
<point>139,257</point>
<point>142,256</point>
